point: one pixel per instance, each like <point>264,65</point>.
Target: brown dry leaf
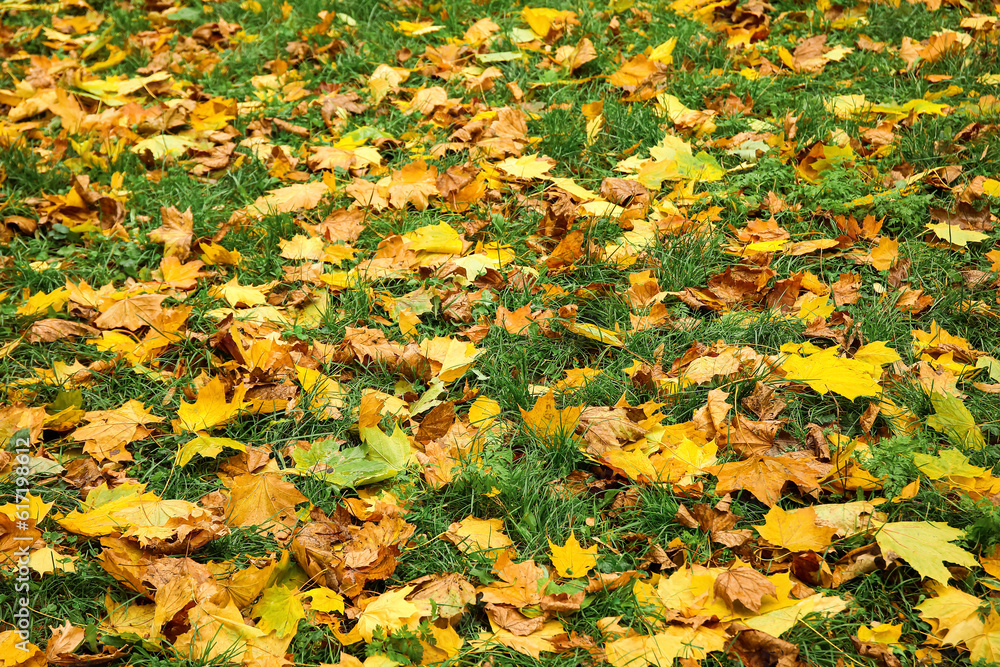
<point>759,649</point>
<point>175,233</point>
<point>744,585</point>
<point>132,312</point>
<point>764,476</point>
<point>109,431</point>
<point>50,330</point>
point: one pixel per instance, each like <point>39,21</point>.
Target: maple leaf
<point>158,519</point>
<point>19,652</point>
<point>217,254</point>
<point>796,530</point>
<point>206,446</point>
<point>176,232</point>
<point>236,294</point>
<point>302,247</point>
<point>825,372</point>
<point>280,610</point>
<point>431,240</point>
<point>985,646</point>
<point>260,499</point>
<point>572,560</point>
<point>36,508</point>
<point>955,235</point>
<point>534,644</point>
<point>326,600</point>
<point>132,312</point>
<point>526,167</point>
<point>41,303</point>
<point>182,276</point>
<point>326,395</point>
<point>97,517</point>
<point>451,357</point>
<point>549,424</point>
<point>547,23</point>
<point>764,476</point>
<point>391,611</point>
<point>634,72</point>
<point>745,585</point>
<point>109,431</point>
<point>210,409</point>
<point>479,536</point>
<point>925,546</point>
<point>952,418</point>
<point>663,648</point>
<point>291,198</point>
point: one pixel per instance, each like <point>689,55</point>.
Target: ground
<point>491,333</point>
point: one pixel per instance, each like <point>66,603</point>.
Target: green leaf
<point>952,418</point>
<point>925,546</point>
<point>65,400</point>
<point>325,460</point>
<point>280,610</point>
<point>394,450</point>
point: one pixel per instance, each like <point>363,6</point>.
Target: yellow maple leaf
<point>326,395</point>
<point>260,499</point>
<point>544,21</point>
<point>825,372</point>
<point>952,614</point>
<point>157,519</point>
<point>301,196</point>
<point>549,424</point>
<point>985,646</point>
<point>236,294</point>
<point>391,611</point>
<point>480,536</point>
<point>131,312</point>
<point>280,610</point>
<point>18,652</point>
<point>952,418</point>
<point>796,530</point>
<point>572,560</point>
<point>36,510</point>
<point>182,276</point>
<point>815,306</point>
<point>663,53</point>
<point>883,255</point>
<point>878,354</point>
<point>210,409</point>
<point>40,302</point>
<point>216,254</point>
<point>925,546</point>
<point>207,446</point>
<point>955,235</point>
<point>415,29</point>
<point>454,356</point>
<point>96,518</point>
<point>526,166</point>
<point>212,114</point>
<point>880,633</point>
<point>430,240</point>
<point>326,600</point>
<point>302,247</point>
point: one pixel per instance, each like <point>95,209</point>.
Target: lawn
<point>483,333</point>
